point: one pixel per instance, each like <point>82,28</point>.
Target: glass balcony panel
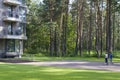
<point>23,2</point>
<point>20,37</point>
<point>22,14</point>
<point>12,2</point>
<point>11,16</point>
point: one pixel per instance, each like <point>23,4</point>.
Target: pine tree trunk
<point>108,27</point>
<point>64,27</point>
<point>51,29</point>
<point>98,25</point>
<point>90,29</point>
<point>60,33</point>
<point>114,29</point>
<point>79,27</point>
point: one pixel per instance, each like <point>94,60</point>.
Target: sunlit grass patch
<point>70,58</point>
<point>63,58</point>
<point>1,63</point>
<point>27,72</point>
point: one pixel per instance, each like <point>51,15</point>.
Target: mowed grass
<point>68,58</point>
<point>28,72</point>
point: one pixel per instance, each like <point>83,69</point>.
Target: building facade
<point>12,27</point>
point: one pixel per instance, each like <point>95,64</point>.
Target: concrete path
<point>78,64</point>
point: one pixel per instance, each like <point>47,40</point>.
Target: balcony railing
<point>1,31</point>
<point>11,16</point>
<point>23,37</point>
<point>12,2</point>
<point>23,2</point>
<point>11,54</point>
<point>5,34</point>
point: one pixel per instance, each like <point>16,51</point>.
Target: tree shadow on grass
<point>15,61</point>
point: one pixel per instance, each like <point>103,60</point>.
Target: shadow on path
<point>15,61</point>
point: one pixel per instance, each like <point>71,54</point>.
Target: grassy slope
<point>25,72</point>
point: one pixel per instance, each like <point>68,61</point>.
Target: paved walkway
<point>78,64</point>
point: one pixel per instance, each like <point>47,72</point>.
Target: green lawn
<point>68,58</point>
<point>63,58</point>
<point>26,72</point>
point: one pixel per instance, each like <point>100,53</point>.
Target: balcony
<point>12,2</point>
<point>11,19</point>
<point>21,37</point>
<point>1,31</point>
<point>5,34</point>
<point>11,16</point>
<point>11,54</point>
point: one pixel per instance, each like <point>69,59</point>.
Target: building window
<point>13,46</point>
<point>10,30</point>
<point>10,12</point>
<point>17,46</point>
<point>22,1</point>
<point>24,28</point>
<point>1,23</point>
<point>22,14</point>
<point>10,45</point>
<point>21,29</point>
<point>2,45</point>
